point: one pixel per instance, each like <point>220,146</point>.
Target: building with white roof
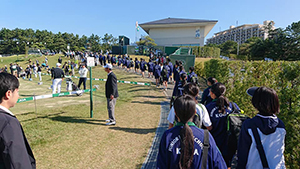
<point>178,32</point>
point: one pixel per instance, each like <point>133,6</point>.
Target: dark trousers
<point>82,80</point>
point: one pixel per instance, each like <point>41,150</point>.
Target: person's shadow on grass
<point>135,130</point>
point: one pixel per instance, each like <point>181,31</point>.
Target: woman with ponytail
<point>218,110</point>
<point>182,146</point>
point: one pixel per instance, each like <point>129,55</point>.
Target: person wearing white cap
<point>111,93</point>
<point>57,77</point>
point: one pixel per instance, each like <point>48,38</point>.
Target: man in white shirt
<point>83,73</point>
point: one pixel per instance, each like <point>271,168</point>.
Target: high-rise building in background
<point>241,33</point>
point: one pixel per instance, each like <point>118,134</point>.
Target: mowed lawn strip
<point>62,134</point>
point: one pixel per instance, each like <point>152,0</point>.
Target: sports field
<point>62,134</point>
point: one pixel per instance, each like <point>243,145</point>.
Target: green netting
<point>170,49</point>
<point>187,60</point>
<point>130,50</point>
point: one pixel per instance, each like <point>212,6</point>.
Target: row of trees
<point>18,40</point>
<point>281,44</point>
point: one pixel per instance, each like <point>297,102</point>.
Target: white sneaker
<point>107,120</point>
<point>111,123</point>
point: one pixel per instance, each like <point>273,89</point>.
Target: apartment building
<point>241,33</point>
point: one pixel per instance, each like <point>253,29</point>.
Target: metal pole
<point>91,94</point>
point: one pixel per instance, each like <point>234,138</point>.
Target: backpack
<point>165,72</point>
<point>194,79</point>
<point>234,124</point>
<point>196,119</point>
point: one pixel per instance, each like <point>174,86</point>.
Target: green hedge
<point>204,51</point>
<point>282,76</point>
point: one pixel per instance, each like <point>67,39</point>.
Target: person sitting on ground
<point>192,90</point>
<point>14,147</point>
<point>182,145</point>
<point>205,99</point>
<point>269,128</point>
<point>218,110</point>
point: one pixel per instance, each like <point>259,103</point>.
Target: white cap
<point>58,64</point>
<point>109,66</point>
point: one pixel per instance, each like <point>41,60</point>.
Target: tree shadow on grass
<point>71,119</point>
<point>40,117</point>
<point>157,97</point>
<point>136,90</point>
<point>135,130</point>
<point>146,102</point>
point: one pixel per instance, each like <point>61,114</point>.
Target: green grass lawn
<point>62,134</point>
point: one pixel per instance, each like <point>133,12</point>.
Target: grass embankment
<point>62,135</point>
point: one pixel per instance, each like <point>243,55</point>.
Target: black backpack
<point>194,79</point>
<point>196,119</point>
<point>234,124</point>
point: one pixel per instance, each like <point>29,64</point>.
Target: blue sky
<point>118,17</point>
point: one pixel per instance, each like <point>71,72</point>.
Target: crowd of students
<point>261,140</point>
<point>184,144</point>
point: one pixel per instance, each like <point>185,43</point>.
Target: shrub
<point>282,76</point>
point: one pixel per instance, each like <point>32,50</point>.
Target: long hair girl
<point>185,109</point>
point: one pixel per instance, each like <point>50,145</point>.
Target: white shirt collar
<point>109,73</point>
<point>6,110</point>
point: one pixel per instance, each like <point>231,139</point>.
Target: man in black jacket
<point>14,147</point>
<point>111,92</point>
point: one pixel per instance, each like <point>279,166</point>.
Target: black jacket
<point>14,147</point>
<point>57,73</point>
<point>111,87</point>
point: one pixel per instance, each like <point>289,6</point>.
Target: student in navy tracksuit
<point>181,84</point>
<point>165,75</point>
<point>143,67</point>
<point>175,69</point>
<point>270,129</point>
<point>177,79</point>
<point>150,66</point>
<point>218,110</point>
<point>100,59</point>
<point>124,63</point>
<point>205,99</point>
<point>182,145</point>
<point>192,74</point>
<point>136,65</point>
<point>128,64</point>
<point>157,73</point>
<point>119,61</point>
<point>104,60</point>
<point>170,68</point>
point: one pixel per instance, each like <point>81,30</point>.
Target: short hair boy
<point>14,147</point>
